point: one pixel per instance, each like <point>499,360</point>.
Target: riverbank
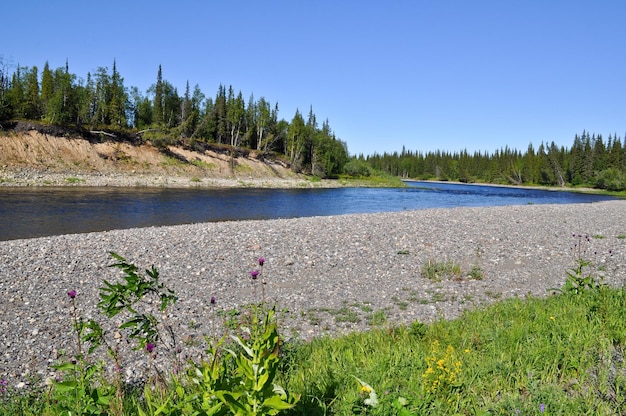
<point>34,158</point>
<point>327,275</point>
<point>35,177</point>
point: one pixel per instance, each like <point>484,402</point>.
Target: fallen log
<point>102,132</point>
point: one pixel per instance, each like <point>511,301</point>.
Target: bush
<point>610,179</point>
<point>357,168</point>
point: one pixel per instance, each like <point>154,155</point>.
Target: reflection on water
<point>36,212</point>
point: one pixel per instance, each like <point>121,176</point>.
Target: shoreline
<point>29,177</point>
<point>327,275</point>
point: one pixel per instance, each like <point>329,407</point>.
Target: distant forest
<point>164,116</point>
<point>591,161</point>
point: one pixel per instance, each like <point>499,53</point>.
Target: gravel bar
<point>326,275</point>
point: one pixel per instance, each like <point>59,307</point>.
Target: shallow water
<point>38,212</point>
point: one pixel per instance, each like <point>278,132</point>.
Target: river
<point>39,212</point>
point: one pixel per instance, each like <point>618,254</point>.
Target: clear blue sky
<point>427,75</point>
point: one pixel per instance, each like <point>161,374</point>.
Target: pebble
<point>317,270</point>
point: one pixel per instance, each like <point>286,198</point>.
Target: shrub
<point>357,168</point>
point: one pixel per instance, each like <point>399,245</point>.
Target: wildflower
<point>254,274</point>
<point>261,261</point>
<point>542,408</point>
<point>372,400</point>
<point>3,385</point>
<point>213,300</point>
<point>150,347</point>
<point>71,294</point>
<point>552,318</point>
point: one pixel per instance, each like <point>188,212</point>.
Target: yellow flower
<point>366,388</point>
<point>552,318</point>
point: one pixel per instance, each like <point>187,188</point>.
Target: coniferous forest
<point>592,161</point>
<point>164,116</point>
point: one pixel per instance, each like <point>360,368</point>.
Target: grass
<point>563,354</point>
<point>74,180</point>
<point>169,161</point>
<point>437,270</point>
<point>204,165</point>
<point>242,169</point>
<point>373,181</point>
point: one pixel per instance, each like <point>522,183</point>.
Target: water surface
<point>37,212</point>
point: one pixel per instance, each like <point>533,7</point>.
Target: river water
<point>39,212</point>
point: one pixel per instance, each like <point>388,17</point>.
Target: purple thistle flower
<point>71,294</point>
<point>261,261</point>
<point>254,274</point>
<point>213,300</point>
<point>150,347</point>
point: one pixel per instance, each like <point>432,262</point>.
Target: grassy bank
<point>562,354</point>
<point>558,355</point>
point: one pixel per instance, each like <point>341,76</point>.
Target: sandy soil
<point>33,158</point>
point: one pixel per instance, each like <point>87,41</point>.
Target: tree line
<point>163,115</point>
<point>590,161</point>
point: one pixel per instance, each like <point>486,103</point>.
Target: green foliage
<point>253,391</point>
<point>580,278</point>
<point>592,161</point>
<point>438,270</point>
<point>583,275</point>
<point>357,168</point>
<point>560,353</point>
<point>611,179</point>
<point>195,392</point>
<point>83,389</point>
<point>116,298</point>
<point>84,392</point>
<point>239,378</point>
<point>74,180</point>
<point>104,101</point>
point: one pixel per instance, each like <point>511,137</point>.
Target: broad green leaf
<point>275,402</point>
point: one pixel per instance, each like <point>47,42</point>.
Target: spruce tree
<point>157,116</point>
<point>31,109</point>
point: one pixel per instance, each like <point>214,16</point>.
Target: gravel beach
<point>326,275</point>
